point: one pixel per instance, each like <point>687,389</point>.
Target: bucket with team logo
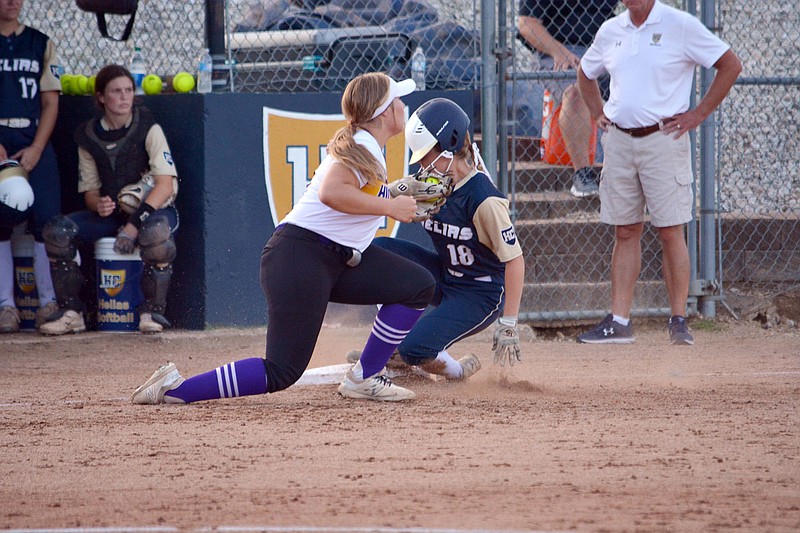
<point>26,297</point>
<point>119,290</point>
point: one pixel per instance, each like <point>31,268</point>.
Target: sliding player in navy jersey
<point>478,262</point>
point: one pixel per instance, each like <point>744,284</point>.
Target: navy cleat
<point>679,331</point>
<point>608,332</point>
<point>584,183</point>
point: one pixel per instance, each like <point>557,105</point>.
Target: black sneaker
<point>584,183</point>
<point>608,332</point>
<point>679,331</point>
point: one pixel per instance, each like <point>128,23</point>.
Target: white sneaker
<point>9,319</point>
<point>148,325</point>
<point>471,364</point>
<point>164,379</point>
<point>70,322</point>
<point>378,387</point>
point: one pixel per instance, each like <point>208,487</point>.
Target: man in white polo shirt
<point>650,52</point>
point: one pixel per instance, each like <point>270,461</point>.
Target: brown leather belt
<point>638,132</point>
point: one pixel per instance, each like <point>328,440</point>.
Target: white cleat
<point>9,319</point>
<point>70,322</point>
<point>164,379</point>
<point>471,364</point>
<point>378,387</point>
<point>148,325</point>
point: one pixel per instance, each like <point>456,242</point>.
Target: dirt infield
<point>644,437</point>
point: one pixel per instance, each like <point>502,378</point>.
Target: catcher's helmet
<point>436,122</point>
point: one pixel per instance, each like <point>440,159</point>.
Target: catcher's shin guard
<point>155,286</point>
<point>156,241</point>
<point>67,282</point>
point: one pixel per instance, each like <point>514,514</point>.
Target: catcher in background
<point>478,262</point>
<point>129,183</point>
<point>322,252</point>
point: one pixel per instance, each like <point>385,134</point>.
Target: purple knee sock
<point>240,378</point>
<point>389,329</point>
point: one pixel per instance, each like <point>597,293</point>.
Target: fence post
<point>708,270</point>
<point>502,113</point>
<point>215,37</point>
<point>488,86</point>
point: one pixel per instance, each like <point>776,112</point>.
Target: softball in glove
<point>429,191</point>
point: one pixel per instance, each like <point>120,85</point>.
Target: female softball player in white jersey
<point>321,252</point>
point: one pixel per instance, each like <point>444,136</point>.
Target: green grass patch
<point>708,324</point>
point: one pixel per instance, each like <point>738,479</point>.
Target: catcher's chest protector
<point>120,155</point>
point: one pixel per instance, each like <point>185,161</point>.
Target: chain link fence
<point>758,160</point>
<point>170,34</point>
<point>278,45</point>
<point>283,46</point>
<point>755,161</point>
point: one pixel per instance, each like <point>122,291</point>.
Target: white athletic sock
<point>41,271</point>
<point>622,321</point>
<point>7,276</point>
<point>452,368</point>
<point>357,371</point>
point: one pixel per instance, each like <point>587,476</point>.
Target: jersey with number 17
<point>26,69</point>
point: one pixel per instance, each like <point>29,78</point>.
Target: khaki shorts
<point>652,172</point>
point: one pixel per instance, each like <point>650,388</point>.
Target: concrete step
<point>572,301</point>
<point>583,267</point>
<point>531,174</point>
<point>578,250</point>
<point>538,176</point>
<point>565,236</point>
<point>555,204</point>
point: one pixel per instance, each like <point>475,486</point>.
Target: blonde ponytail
<point>362,96</point>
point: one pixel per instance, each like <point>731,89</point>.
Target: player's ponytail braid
<point>362,96</point>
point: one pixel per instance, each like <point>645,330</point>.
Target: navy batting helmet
<point>436,122</point>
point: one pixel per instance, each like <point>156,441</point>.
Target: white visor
<point>418,138</point>
<point>396,90</point>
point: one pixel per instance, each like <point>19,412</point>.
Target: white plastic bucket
<point>119,290</point>
<point>26,296</point>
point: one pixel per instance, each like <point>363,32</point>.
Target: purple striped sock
<point>240,378</point>
<point>389,329</point>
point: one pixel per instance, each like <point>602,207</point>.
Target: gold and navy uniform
<point>473,238</point>
<point>28,68</point>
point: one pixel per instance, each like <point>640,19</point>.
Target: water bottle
<point>138,69</point>
<point>419,66</point>
<point>547,122</point>
<point>204,66</point>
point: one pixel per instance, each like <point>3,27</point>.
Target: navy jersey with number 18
<point>457,239</point>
